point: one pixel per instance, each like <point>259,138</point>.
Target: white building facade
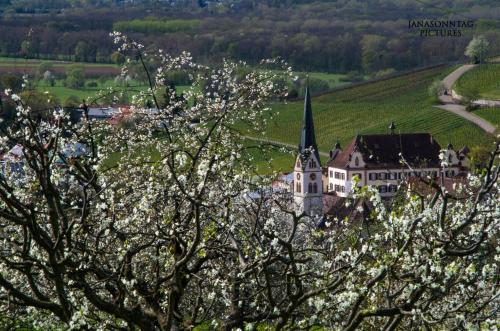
<point>379,163</point>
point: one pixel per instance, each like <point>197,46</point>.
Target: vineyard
<point>484,79</point>
<point>370,108</point>
<point>490,114</point>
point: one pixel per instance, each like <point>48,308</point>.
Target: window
<point>310,188</point>
<point>298,189</point>
<point>331,187</point>
<point>453,172</point>
<point>298,176</point>
<point>382,188</point>
<point>337,188</point>
<point>338,175</point>
<point>342,175</point>
<point>342,188</point>
<point>298,164</point>
<point>393,175</point>
<point>356,161</point>
<point>315,188</point>
<point>393,188</point>
<point>312,164</point>
<point>382,176</point>
<point>331,174</point>
<point>312,176</point>
<point>372,176</point>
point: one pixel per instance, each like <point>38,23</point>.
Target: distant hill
<point>348,36</point>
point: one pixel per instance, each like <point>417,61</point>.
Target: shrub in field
<point>75,76</point>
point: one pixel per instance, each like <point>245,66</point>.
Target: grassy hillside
<point>371,107</point>
<point>484,79</point>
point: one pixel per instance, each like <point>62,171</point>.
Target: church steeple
<point>308,177</point>
<point>307,135</point>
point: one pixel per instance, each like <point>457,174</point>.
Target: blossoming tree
<point>166,225</point>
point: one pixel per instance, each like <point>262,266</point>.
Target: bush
<point>11,82</point>
<point>316,85</point>
<point>75,76</point>
<point>385,72</point>
<point>436,88</point>
<point>92,84</point>
<point>468,96</point>
<point>352,76</point>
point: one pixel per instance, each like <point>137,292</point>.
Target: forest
<point>343,36</point>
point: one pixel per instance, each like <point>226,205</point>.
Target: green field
<point>370,108</point>
<point>484,79</point>
<point>62,92</point>
<point>490,114</point>
<point>20,62</point>
<point>333,80</point>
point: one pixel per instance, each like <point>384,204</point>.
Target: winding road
<point>451,106</point>
<point>448,105</point>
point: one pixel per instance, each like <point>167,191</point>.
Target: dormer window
<point>356,161</point>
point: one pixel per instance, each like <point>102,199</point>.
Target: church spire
<point>307,136</point>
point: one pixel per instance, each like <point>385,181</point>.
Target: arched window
<point>315,188</point>
<point>310,188</point>
<point>298,163</point>
<point>356,161</point>
<point>298,188</point>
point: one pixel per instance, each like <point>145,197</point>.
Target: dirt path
<point>451,106</point>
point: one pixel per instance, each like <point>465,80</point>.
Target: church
<point>380,160</point>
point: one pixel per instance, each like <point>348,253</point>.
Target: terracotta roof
<point>385,150</point>
<point>341,159</point>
